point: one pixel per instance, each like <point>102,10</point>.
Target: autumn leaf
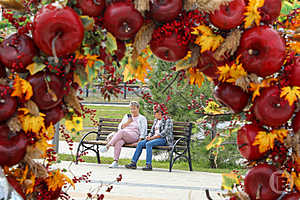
<point>74,125</point>
<point>224,72</point>
<point>22,89</point>
<point>291,94</point>
<point>216,142</point>
<point>280,134</point>
<point>213,108</point>
<point>31,123</point>
<point>252,14</point>
<point>264,140</point>
<point>206,39</point>
<point>56,180</point>
<point>229,180</point>
<point>255,87</point>
<point>42,145</point>
<point>236,72</point>
<point>196,77</point>
<point>35,67</point>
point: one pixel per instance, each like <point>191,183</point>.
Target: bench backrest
<point>180,129</point>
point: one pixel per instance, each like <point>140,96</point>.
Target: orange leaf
<point>22,89</point>
<point>265,141</point>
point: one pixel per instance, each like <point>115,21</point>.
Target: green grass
<point>155,164</point>
<point>101,111</point>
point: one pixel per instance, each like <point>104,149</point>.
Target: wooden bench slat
<point>149,122</point>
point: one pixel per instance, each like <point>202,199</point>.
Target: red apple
<point>122,20</point>
<point>295,72</point>
<point>2,71</point>
<point>46,97</point>
<point>53,115</point>
<point>12,148</point>
<point>229,16</point>
<point>16,185</point>
<point>165,10</point>
<point>296,122</point>
<point>57,26</point>
<point>292,196</point>
<point>8,104</point>
<point>263,181</point>
<point>270,109</point>
<point>270,11</point>
<point>168,49</point>
<point>232,96</point>
<point>209,65</point>
<point>245,138</point>
<point>91,8</point>
<point>17,51</point>
<point>262,50</point>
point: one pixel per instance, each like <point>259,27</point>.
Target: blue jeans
<point>148,144</point>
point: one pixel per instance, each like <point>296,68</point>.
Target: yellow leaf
<point>22,88</point>
<point>256,86</point>
<point>224,72</point>
<point>207,40</point>
<point>280,134</point>
<point>291,94</point>
<point>31,123</point>
<point>252,14</point>
<point>264,140</point>
<point>216,142</point>
<point>229,180</point>
<point>35,67</point>
<point>42,145</point>
<point>213,108</point>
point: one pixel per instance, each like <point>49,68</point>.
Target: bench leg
<point>77,153</point>
<point>98,154</point>
<point>171,162</point>
<point>190,159</point>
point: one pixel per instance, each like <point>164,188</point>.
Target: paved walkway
<point>158,184</point>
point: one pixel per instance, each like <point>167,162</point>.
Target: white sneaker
<point>114,165</point>
<point>103,149</point>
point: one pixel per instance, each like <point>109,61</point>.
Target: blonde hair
<point>134,103</point>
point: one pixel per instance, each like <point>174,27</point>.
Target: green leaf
<point>286,8</point>
<point>111,43</point>
<point>88,22</point>
<point>229,180</point>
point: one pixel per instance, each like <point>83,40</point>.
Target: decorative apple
<point>57,30</point>
<point>12,148</point>
<point>270,11</point>
<point>122,20</point>
<point>262,181</point>
<point>245,138</point>
<point>8,104</point>
<point>53,115</point>
<point>168,49</point>
<point>262,51</point>
<point>232,96</point>
<point>165,10</point>
<point>91,8</point>
<point>270,109</point>
<point>16,185</point>
<point>209,65</point>
<point>2,71</point>
<point>295,72</point>
<point>229,16</point>
<point>292,196</point>
<point>47,90</point>
<point>17,51</point>
<point>296,122</point>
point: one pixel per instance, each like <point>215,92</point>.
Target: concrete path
<point>158,184</point>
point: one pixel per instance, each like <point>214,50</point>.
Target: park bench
<point>181,149</point>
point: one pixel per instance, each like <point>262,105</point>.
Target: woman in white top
<point>132,128</point>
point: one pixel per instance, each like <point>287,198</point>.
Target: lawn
<point>101,111</point>
<point>142,163</point>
